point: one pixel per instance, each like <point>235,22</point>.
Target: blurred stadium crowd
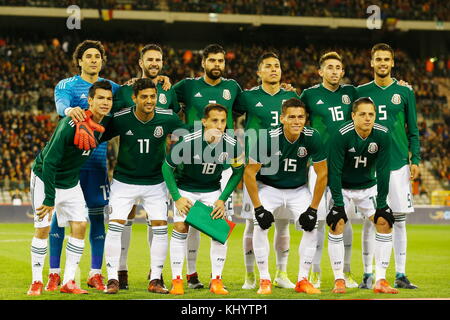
<point>30,71</point>
<point>401,9</point>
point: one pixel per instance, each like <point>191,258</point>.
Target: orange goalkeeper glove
<point>84,137</point>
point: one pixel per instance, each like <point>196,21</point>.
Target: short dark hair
<point>211,49</point>
<point>360,101</point>
<point>85,45</point>
<point>149,47</point>
<point>103,84</point>
<point>142,84</point>
<point>213,106</point>
<point>329,55</point>
<point>265,55</point>
<point>381,47</point>
<point>292,103</point>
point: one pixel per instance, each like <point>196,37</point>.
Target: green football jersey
<point>396,110</point>
<point>196,94</point>
<point>200,164</point>
<point>356,163</point>
<point>284,163</point>
<point>142,144</point>
<point>58,164</point>
<point>327,109</point>
<point>166,99</point>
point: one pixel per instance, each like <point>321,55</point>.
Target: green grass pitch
<point>428,263</point>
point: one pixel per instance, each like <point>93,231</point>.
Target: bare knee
<point>42,233</point>
<point>158,223</point>
<point>382,225</point>
<point>78,229</point>
<point>132,214</point>
<point>181,227</point>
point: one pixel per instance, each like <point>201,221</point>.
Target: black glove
<point>308,219</point>
<point>385,213</point>
<point>336,213</point>
<point>264,217</point>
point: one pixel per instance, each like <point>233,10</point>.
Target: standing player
<point>359,172</point>
<point>282,183</point>
<point>329,106</point>
<point>200,158</point>
<point>55,185</point>
<point>396,109</point>
<point>71,98</point>
<point>151,64</point>
<point>137,176</point>
<point>262,107</point>
<point>196,93</point>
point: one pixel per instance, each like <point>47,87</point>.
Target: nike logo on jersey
<point>319,102</point>
<point>129,133</point>
<point>198,95</point>
<point>83,96</point>
<point>352,149</point>
<point>259,104</point>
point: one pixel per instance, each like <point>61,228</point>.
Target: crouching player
<point>200,158</point>
<point>55,185</point>
<point>359,172</point>
<point>282,182</point>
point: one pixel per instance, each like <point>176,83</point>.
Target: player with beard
<point>151,64</point>
<point>196,94</point>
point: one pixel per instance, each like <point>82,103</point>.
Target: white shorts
<point>248,211</point>
<point>325,201</point>
<point>152,197</point>
<point>293,201</point>
<point>364,201</point>
<point>207,198</point>
<point>69,203</point>
<point>400,198</point>
<point>229,206</point>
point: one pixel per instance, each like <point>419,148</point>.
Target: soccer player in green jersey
<point>200,158</point>
<point>151,64</point>
<point>396,110</point>
<point>329,105</point>
<point>55,185</point>
<point>143,129</point>
<point>358,172</point>
<point>277,177</point>
<point>262,108</point>
<point>195,94</point>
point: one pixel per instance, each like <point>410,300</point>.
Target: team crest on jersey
<point>162,98</point>
<point>222,157</point>
<point>346,99</point>
<point>158,133</point>
<point>302,152</point>
<point>226,94</point>
<point>373,147</point>
<point>396,99</point>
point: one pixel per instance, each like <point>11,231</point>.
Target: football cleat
<point>177,286</point>
<point>216,286</point>
<point>156,286</point>
<point>314,279</point>
<point>339,286</point>
<point>304,286</point>
<point>123,279</point>
<point>112,287</point>
<point>54,280</point>
<point>265,287</point>
<point>402,282</point>
<point>35,288</point>
<point>349,281</point>
<point>382,286</point>
<point>250,281</point>
<point>367,281</point>
<point>193,282</point>
<point>96,281</point>
<point>71,287</point>
<point>150,274</point>
<point>282,280</point>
